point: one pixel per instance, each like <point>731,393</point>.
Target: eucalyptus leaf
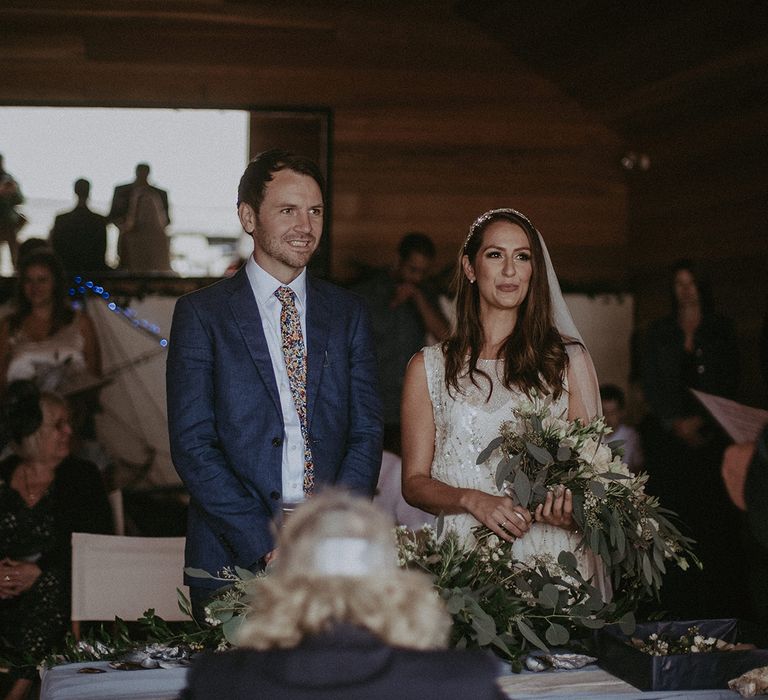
<point>594,541</point>
<point>245,574</point>
<point>567,560</point>
<point>614,445</point>
<point>485,628</point>
<point>557,635</point>
<point>563,453</point>
<point>597,489</point>
<point>184,605</point>
<point>222,616</point>
<point>592,623</point>
<point>503,470</point>
<point>647,570</point>
<point>530,635</point>
<point>455,603</point>
<point>198,573</point>
<point>614,476</point>
<point>621,541</point>
<point>488,451</point>
<point>231,628</point>
<point>522,488</point>
<point>579,611</point>
<point>595,603</point>
<point>548,596</point>
<point>627,623</point>
<point>540,454</point>
<point>440,525</point>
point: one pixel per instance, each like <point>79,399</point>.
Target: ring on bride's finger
<point>7,577</point>
<point>503,524</point>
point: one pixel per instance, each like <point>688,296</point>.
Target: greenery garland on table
<point>496,601</point>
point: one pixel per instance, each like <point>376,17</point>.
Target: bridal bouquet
<point>635,537</point>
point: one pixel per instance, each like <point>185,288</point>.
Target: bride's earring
<point>471,280</point>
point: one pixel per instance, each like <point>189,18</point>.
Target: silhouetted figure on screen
<point>79,236</point>
<point>140,212</point>
<point>11,221</point>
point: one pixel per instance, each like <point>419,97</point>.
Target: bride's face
<point>502,267</point>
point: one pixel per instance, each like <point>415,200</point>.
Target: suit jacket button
<point>276,442</point>
<point>275,495</point>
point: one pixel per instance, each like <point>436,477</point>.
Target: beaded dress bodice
<point>465,422</point>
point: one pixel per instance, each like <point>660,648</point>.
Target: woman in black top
<point>45,496</point>
<point>694,348</point>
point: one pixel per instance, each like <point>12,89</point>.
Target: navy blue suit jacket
<point>225,422</point>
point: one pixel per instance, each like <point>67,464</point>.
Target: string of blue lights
<point>83,287</point>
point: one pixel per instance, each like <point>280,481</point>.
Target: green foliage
<point>503,605</point>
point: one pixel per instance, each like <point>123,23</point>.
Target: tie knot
<point>285,295</point>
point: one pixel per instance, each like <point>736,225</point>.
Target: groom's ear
<point>248,217</point>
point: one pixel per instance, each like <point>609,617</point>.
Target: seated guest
<point>45,496</point>
<point>336,618</point>
<point>614,411</point>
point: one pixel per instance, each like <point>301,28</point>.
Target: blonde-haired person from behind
<point>337,618</point>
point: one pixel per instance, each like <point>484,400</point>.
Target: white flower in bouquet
<point>555,426</point>
<point>596,454</point>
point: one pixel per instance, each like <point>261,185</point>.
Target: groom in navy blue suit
<point>237,439</point>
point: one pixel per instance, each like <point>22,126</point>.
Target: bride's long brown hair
<point>534,353</point>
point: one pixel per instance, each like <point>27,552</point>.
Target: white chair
<point>126,576</point>
<point>389,495</point>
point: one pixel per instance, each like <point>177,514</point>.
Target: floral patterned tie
<point>296,365</point>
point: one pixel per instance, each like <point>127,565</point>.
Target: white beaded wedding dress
<point>464,425</point>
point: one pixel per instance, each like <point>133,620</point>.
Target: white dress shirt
<point>264,286</point>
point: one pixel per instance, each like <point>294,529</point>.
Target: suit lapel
<point>246,314</point>
<point>318,311</point>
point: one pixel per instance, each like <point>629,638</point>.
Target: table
<point>592,682</point>
<point>65,683</point>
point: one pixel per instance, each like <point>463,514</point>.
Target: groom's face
<point>287,228</point>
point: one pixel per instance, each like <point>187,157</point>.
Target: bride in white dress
<point>514,337</point>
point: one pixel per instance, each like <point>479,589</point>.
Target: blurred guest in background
<point>614,411</point>
<point>694,348</point>
<point>403,311</point>
<point>339,619</point>
<point>79,236</point>
<point>45,496</point>
<point>46,340</point>
<point>140,212</point>
<point>11,220</point>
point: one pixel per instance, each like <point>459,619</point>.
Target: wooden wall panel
<point>433,122</point>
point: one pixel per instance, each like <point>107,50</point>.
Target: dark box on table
<point>694,671</point>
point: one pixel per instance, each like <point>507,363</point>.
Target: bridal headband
<point>480,220</point>
<point>352,557</point>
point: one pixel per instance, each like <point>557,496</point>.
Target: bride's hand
<point>499,514</point>
<point>557,509</point>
